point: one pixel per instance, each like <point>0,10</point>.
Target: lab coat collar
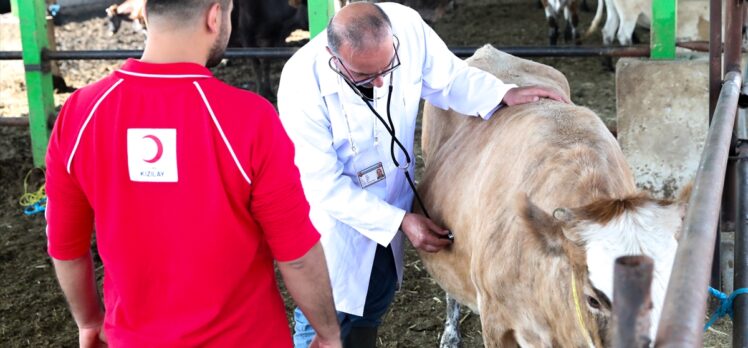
<point>328,79</point>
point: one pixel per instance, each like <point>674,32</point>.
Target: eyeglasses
<point>367,79</point>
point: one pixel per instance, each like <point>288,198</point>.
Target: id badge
<point>371,175</point>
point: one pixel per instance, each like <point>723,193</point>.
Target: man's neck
<point>176,48</point>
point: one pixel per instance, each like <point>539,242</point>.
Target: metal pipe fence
<point>682,319</point>
<point>632,301</point>
<point>740,306</point>
<point>287,52</point>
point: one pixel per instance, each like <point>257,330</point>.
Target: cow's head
<point>593,236</point>
<point>558,241</point>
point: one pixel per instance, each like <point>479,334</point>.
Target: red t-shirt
<point>191,187</point>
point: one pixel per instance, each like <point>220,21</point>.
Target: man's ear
<point>214,18</point>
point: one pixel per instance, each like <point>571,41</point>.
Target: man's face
<point>219,46</point>
<point>367,68</point>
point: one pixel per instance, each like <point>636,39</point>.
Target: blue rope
<point>725,304</point>
<point>36,207</point>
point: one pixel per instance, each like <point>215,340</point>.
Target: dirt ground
<point>33,312</point>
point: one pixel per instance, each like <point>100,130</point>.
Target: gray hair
<point>360,32</point>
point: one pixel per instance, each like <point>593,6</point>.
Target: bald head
<point>359,26</point>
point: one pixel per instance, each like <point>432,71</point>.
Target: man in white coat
<point>341,98</point>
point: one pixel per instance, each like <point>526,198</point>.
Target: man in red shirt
<point>191,188</point>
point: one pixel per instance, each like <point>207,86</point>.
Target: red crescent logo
<point>159,150</point>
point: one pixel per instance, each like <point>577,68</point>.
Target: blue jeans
<point>380,294</point>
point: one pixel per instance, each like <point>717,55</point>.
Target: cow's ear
<point>546,228</point>
<point>682,202</point>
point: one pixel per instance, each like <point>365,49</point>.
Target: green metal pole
<point>32,14</point>
<point>664,19</point>
<point>320,12</point>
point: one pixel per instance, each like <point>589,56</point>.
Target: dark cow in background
<point>255,23</point>
<point>266,23</point>
<point>4,6</point>
<point>430,10</point>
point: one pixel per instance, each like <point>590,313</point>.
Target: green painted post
<point>664,19</point>
<point>320,12</point>
<point>32,14</point>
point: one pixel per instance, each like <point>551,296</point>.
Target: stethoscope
<point>389,125</point>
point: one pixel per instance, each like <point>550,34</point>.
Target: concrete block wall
<point>662,111</point>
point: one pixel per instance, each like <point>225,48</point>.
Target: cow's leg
<point>626,30</point>
<point>263,79</point>
<point>114,24</point>
<point>584,7</point>
<point>609,30</point>
<point>572,20</point>
<point>495,325</point>
<point>495,335</point>
<point>552,25</point>
<point>611,23</point>
<point>451,337</point>
<point>114,19</point>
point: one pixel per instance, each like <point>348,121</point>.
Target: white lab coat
<point>336,136</point>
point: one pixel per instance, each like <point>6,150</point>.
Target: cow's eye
<point>593,302</point>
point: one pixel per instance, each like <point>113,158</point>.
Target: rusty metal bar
<point>685,302</point>
<point>14,121</point>
<point>740,305</point>
<point>23,121</point>
<point>733,34</point>
<point>287,52</point>
<point>632,301</point>
<point>715,53</point>
<point>733,45</point>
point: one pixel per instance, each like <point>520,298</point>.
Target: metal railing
<point>287,52</point>
<point>682,319</point>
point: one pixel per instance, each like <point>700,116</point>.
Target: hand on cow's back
<point>529,94</point>
<point>423,233</point>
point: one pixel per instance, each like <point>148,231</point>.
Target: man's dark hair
<point>181,9</point>
<point>361,31</point>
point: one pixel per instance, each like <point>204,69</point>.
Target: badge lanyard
<point>390,127</point>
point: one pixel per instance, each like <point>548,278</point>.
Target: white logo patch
<point>152,154</point>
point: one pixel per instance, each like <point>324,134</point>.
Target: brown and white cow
<point>554,9</point>
<point>539,197</point>
<point>131,10</point>
<point>622,18</point>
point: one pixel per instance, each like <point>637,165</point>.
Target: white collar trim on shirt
<point>163,76</point>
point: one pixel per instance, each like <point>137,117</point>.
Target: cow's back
<point>507,68</point>
<point>557,154</point>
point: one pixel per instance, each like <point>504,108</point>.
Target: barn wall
<point>662,111</point>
